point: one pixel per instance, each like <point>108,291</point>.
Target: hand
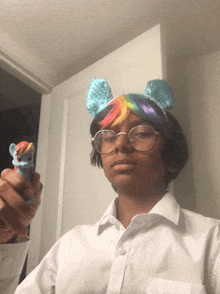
<point>15,213</point>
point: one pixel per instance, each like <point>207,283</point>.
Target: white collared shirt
<point>168,250</point>
<point>12,258</point>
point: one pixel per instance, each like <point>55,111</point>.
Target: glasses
<point>142,138</point>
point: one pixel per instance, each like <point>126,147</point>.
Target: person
<point>144,243</point>
<point>15,216</point>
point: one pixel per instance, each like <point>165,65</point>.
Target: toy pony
<point>23,154</point>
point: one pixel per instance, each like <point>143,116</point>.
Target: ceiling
<point>55,39</point>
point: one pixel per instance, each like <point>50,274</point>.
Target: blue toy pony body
<point>24,166</point>
<point>23,161</point>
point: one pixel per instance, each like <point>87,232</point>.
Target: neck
<point>130,205</point>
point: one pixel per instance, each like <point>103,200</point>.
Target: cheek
<point>152,165</point>
<point>155,154</point>
<point>105,165</point>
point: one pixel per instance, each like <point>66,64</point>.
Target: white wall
<point>196,85</point>
<point>74,192</point>
<point>203,75</point>
<point>176,73</point>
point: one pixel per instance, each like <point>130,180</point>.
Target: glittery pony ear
<point>160,92</point>
<point>98,96</point>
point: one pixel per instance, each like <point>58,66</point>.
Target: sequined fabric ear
<point>98,96</point>
<point>160,92</point>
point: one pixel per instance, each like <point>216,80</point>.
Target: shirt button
<point>122,251</point>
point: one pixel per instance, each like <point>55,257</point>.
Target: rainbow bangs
<point>139,104</point>
<point>117,113</point>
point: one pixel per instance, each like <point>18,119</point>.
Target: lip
<point>123,162</point>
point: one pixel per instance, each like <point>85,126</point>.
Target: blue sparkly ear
<point>160,92</point>
<point>98,96</point>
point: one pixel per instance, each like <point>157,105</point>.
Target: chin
<point>133,184</point>
<point>125,182</point>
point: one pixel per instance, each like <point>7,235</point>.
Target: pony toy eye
<point>29,158</point>
<point>19,159</point>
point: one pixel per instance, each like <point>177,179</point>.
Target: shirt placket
<point>119,264</point>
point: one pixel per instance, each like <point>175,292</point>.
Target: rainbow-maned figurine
<point>23,161</point>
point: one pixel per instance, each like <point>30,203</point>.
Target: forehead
<point>130,121</point>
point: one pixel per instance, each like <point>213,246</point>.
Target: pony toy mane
<point>23,148</point>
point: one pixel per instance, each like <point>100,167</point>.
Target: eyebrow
<point>138,122</point>
<point>133,124</point>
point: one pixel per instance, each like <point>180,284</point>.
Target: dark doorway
<point>19,119</point>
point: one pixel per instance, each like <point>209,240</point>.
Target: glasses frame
<point>127,134</point>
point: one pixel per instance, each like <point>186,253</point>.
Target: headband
<point>100,95</point>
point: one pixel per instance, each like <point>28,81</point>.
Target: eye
<point>29,158</point>
<point>144,135</point>
<point>108,137</point>
<point>19,159</point>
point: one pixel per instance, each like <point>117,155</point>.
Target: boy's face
<point>133,171</point>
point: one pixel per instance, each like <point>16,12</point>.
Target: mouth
<point>123,163</point>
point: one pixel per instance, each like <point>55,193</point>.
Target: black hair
<point>174,151</point>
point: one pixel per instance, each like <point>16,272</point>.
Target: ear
<point>12,149</point>
<point>98,96</point>
<point>32,144</point>
<point>160,92</point>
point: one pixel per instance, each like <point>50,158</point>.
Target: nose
<point>122,143</point>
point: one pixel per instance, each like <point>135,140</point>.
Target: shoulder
<point>204,233</point>
<point>197,217</point>
<point>80,234</point>
<point>199,223</point>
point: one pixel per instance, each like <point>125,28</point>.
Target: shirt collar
<point>167,207</point>
<point>109,214</point>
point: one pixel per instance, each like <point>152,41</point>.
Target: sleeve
<point>12,258</point>
<point>43,278</point>
<point>212,272</point>
<point>216,273</point>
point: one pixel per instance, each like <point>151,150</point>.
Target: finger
<point>16,180</point>
<point>6,234</point>
<point>34,190</point>
<point>11,217</point>
<point>38,190</point>
<point>14,200</point>
<point>36,179</point>
<point>37,186</point>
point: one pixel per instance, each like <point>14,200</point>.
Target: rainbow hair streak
<point>23,148</point>
<point>139,104</point>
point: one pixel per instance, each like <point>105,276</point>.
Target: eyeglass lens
<point>142,138</point>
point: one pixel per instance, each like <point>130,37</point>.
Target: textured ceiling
<point>56,39</point>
